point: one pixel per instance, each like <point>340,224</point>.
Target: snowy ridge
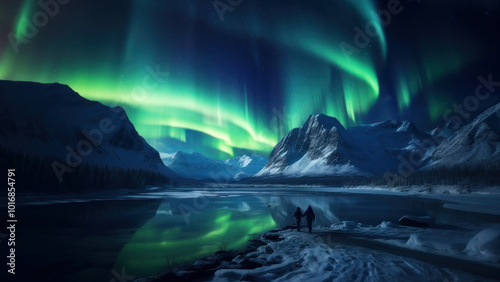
<point>475,144</point>
<point>322,146</point>
<point>196,166</point>
<point>51,120</point>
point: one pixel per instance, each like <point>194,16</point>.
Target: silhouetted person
<point>310,217</point>
<point>298,216</point>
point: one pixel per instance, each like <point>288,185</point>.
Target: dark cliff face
<point>44,120</point>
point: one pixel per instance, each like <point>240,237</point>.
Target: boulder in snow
<point>415,221</point>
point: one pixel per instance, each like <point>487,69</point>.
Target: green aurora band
<point>171,246</point>
<point>206,105</point>
<point>319,43</point>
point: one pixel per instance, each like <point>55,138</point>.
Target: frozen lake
<point>143,234</point>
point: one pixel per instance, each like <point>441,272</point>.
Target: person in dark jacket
<point>310,217</point>
<point>298,216</point>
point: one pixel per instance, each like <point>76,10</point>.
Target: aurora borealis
<point>224,82</point>
<point>168,239</point>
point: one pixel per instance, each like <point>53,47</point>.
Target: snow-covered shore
<point>350,251</point>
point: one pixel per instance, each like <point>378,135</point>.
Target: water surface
<point>151,233</point>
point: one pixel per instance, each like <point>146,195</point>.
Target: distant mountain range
<point>49,131</point>
<point>476,144</point>
<point>323,147</point>
<point>197,166</point>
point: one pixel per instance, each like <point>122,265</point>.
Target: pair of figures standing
<point>310,217</point>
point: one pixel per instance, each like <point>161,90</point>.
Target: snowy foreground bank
<point>349,251</point>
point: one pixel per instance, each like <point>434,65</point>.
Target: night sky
<point>233,76</point>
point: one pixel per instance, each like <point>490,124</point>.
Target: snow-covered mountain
<point>52,121</point>
<point>475,144</point>
<point>197,166</point>
<point>445,130</point>
<point>322,146</point>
